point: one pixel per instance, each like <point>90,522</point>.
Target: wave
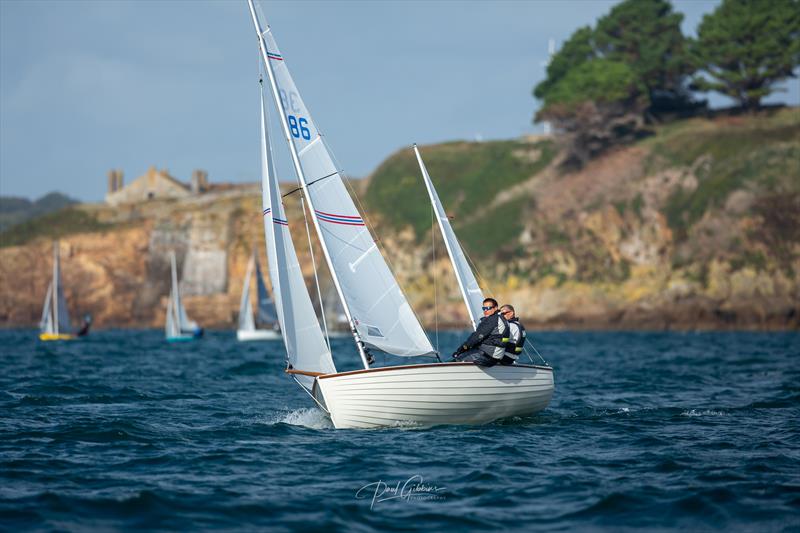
<point>307,417</point>
<point>703,412</point>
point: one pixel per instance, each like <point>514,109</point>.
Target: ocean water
<point>653,431</point>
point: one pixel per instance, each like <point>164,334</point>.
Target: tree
<point>646,35</point>
<point>578,49</point>
<point>596,104</point>
<point>746,46</point>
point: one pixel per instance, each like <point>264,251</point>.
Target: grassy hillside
<point>467,177</point>
<point>67,221</point>
<point>15,210</point>
<point>758,156</point>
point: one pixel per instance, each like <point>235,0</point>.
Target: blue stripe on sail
<point>346,220</point>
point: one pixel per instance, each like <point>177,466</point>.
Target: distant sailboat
<point>335,318</point>
<point>55,324</point>
<point>248,323</point>
<point>378,314</point>
<point>179,327</point>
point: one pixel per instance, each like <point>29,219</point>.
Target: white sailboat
<point>55,323</point>
<point>250,325</point>
<point>178,326</point>
<point>377,311</point>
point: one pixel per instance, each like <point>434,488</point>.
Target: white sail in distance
<point>306,348</point>
<point>470,290</point>
<point>181,323</point>
<point>266,306</point>
<point>46,324</point>
<point>378,309</point>
<point>246,321</point>
<point>55,315</point>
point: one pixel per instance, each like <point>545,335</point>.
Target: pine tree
<point>747,46</point>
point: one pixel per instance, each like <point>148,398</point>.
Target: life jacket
<point>516,341</point>
<point>494,345</point>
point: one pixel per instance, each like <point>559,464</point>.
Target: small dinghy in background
<point>55,324</point>
<point>378,314</point>
<point>250,325</point>
<point>178,327</point>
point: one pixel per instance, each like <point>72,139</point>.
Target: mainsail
<point>377,308</point>
<point>470,290</point>
<point>306,348</point>
<point>46,324</point>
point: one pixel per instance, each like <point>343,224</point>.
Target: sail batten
<point>467,284</point>
<point>389,324</point>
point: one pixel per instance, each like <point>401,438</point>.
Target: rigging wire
<point>370,227</point>
<point>435,303</point>
<point>485,283</point>
<point>316,278</point>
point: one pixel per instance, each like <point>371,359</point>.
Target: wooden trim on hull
<point>428,365</point>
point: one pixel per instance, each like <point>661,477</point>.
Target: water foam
<point>308,417</point>
<point>703,412</point>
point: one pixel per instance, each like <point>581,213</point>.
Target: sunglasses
<point>488,308</point>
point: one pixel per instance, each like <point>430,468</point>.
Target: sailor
<point>516,336</point>
<point>87,323</point>
<point>487,343</point>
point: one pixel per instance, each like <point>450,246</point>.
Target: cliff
<point>697,226</point>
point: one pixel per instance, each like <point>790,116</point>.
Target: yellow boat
<point>56,337</point>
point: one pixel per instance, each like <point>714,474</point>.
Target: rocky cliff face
<point>695,227</point>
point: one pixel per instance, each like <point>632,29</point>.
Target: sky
<point>86,86</point>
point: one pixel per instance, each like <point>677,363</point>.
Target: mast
<point>301,176</point>
<point>55,286</point>
<point>441,218</point>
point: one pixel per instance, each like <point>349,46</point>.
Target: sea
<point>645,431</point>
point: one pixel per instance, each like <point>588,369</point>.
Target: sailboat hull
<point>245,335</point>
<point>443,393</point>
<point>56,337</point>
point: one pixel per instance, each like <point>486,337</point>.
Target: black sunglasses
<point>488,308</point>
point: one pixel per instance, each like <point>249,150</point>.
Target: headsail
<point>46,323</point>
<point>246,322</point>
<point>378,309</point>
<point>306,348</point>
<point>470,290</point>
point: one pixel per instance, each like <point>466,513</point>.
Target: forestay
<point>378,308</point>
<point>470,290</point>
<point>306,348</point>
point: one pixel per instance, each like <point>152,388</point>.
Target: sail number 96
<point>299,128</point>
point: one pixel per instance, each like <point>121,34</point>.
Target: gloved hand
<point>461,349</point>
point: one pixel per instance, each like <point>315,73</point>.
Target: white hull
<point>258,335</point>
<point>441,393</point>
